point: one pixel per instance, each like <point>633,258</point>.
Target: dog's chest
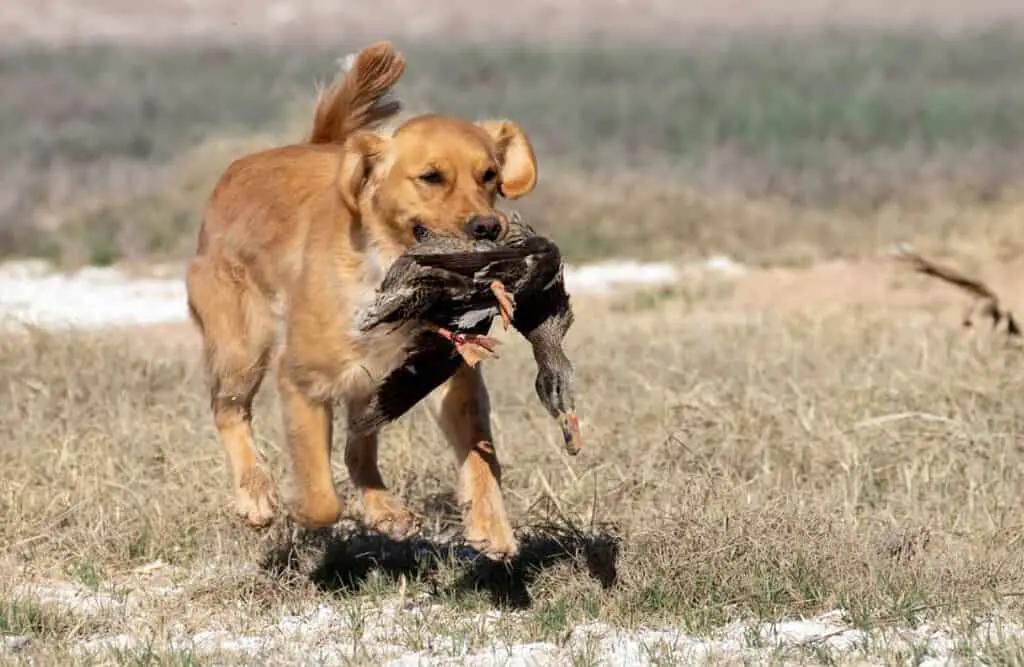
<point>370,277</point>
<point>362,290</point>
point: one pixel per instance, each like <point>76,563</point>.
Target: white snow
<point>604,276</point>
<point>31,292</point>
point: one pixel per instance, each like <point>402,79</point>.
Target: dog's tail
<point>358,99</point>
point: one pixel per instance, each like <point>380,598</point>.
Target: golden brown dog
<point>292,245</point>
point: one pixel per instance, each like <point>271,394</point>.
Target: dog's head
<point>438,174</point>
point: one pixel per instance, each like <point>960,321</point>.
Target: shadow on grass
<point>342,559</point>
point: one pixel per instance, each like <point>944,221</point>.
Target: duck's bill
<point>570,424</point>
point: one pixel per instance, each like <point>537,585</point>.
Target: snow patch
<point>31,292</point>
<point>604,276</point>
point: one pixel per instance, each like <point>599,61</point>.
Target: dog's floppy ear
<point>362,151</point>
<point>518,163</point>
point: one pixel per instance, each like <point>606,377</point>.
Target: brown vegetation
<point>768,461</point>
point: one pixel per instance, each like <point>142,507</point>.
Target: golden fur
<point>293,242</point>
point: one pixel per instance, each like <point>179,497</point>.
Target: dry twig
<point>985,300</point>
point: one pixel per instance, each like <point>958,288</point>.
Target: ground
<point>794,452</point>
<point>758,448</point>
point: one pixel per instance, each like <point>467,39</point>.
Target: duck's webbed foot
<point>473,348</point>
<point>506,303</point>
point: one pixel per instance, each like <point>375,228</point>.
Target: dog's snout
<point>483,227</point>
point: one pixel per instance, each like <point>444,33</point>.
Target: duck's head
<point>554,386</point>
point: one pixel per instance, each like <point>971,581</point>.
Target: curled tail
<point>357,100</point>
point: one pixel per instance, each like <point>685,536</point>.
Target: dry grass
<point>738,463</point>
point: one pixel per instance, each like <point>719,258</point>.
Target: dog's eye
<point>434,177</point>
<point>420,233</point>
<point>489,175</point>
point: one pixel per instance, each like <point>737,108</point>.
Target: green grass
<point>89,135</point>
<point>779,98</point>
<point>24,617</point>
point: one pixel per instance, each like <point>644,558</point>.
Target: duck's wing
<point>536,272</point>
<point>470,263</point>
<point>530,265</point>
<point>406,293</point>
<point>431,362</point>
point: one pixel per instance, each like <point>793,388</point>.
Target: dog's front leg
<point>384,512</point>
<point>314,502</point>
<point>463,413</point>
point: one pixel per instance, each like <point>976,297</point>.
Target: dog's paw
<point>255,500</point>
<point>388,516</point>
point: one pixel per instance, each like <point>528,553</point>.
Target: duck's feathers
<point>432,299</point>
<point>411,298</point>
<point>433,361</point>
<point>470,263</point>
<point>449,284</point>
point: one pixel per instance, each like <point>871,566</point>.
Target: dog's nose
<point>483,227</point>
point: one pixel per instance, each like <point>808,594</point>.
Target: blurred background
<point>776,131</point>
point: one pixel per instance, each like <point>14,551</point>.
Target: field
<point>806,461</point>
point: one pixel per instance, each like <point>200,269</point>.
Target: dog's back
<point>261,207</point>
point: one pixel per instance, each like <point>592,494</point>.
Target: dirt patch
<point>837,286</point>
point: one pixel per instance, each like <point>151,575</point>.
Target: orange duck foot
<point>473,348</point>
<point>506,303</point>
<point>570,424</point>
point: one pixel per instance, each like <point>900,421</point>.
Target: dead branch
<point>985,300</point>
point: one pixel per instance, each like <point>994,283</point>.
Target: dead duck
<point>436,282</point>
<point>458,287</point>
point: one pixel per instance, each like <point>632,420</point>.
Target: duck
<point>456,288</point>
<point>436,283</point>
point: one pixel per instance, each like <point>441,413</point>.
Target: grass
<point>20,617</point>
<point>642,148</point>
<point>764,463</point>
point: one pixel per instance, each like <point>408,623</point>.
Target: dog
<point>292,244</point>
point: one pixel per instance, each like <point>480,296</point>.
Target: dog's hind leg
<point>237,326</point>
